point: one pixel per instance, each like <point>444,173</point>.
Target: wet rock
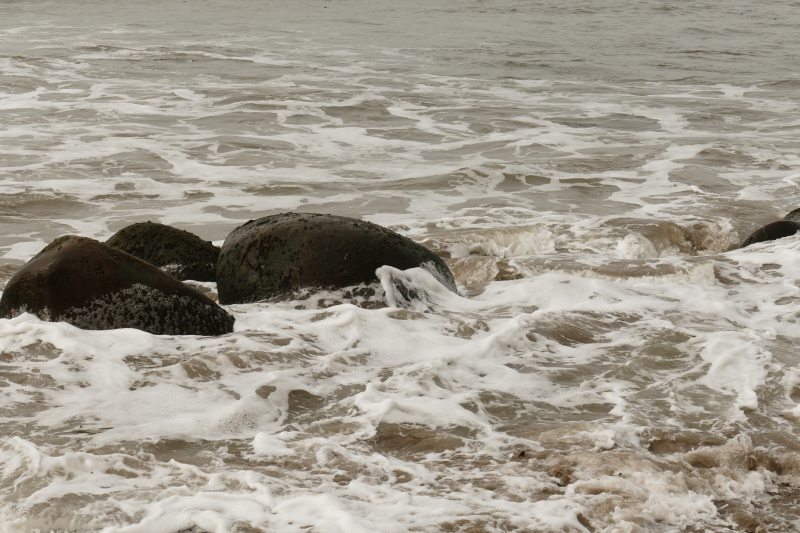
<point>94,286</point>
<point>793,215</point>
<point>282,253</point>
<point>770,232</point>
<point>177,252</point>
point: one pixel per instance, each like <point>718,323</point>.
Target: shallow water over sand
<point>612,362</point>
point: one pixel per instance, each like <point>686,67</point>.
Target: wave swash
<point>612,361</point>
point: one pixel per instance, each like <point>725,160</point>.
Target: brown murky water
<point>613,362</point>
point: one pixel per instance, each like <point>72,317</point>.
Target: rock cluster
<point>134,279</point>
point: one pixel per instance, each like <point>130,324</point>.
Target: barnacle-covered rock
<point>177,252</point>
<point>280,254</point>
<point>94,286</point>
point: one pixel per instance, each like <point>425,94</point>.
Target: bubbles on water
<point>610,363</point>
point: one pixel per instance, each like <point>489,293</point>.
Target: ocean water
<point>613,361</point>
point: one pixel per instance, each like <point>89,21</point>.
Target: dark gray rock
<point>94,286</point>
<point>177,252</point>
<point>794,215</point>
<point>282,253</point>
<point>770,232</point>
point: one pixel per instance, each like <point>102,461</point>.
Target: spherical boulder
<point>94,286</point>
<point>770,232</point>
<point>177,252</point>
<point>279,254</point>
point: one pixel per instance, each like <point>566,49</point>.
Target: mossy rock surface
<point>94,286</point>
<point>177,252</point>
<point>282,253</point>
<point>771,232</point>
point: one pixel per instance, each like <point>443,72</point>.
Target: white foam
<point>326,416</point>
<point>636,246</point>
<point>265,444</point>
<point>24,250</point>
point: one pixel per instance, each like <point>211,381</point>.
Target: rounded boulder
<point>94,286</point>
<point>177,252</point>
<point>279,254</point>
<point>771,232</point>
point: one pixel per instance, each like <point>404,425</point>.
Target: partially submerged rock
<point>793,215</point>
<point>282,253</point>
<point>771,232</point>
<point>94,286</point>
<point>177,252</point>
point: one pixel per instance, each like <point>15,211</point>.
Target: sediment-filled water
<point>613,362</point>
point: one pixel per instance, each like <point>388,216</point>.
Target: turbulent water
<point>613,361</point>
